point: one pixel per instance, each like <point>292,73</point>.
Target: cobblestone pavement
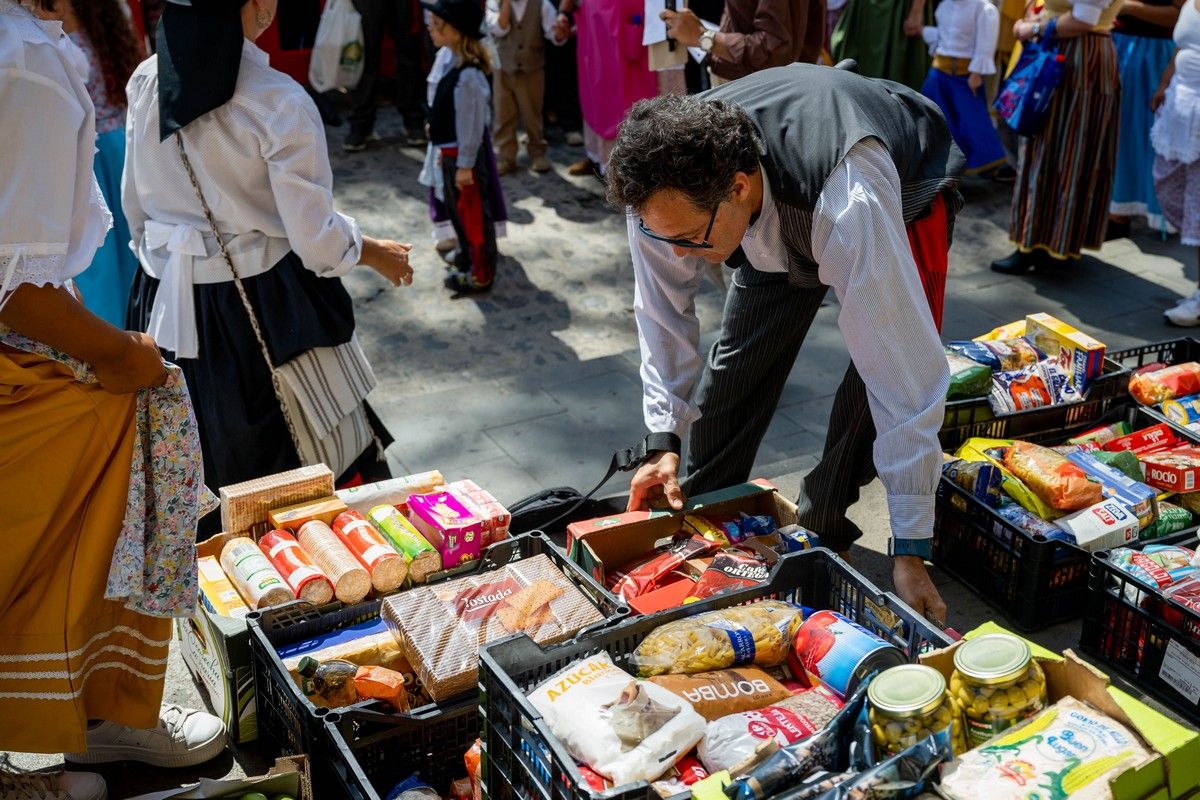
<point>536,383</point>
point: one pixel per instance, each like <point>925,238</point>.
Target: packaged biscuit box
<point>441,627</point>
<point>1079,355</point>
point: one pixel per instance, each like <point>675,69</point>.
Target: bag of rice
<point>1069,749</point>
<point>624,728</point>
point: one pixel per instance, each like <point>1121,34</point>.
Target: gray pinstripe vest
<point>808,118</point>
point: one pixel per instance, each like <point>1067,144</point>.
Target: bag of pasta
<point>760,634</point>
<point>1052,477</point>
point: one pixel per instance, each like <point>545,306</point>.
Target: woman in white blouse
<point>77,671</point>
<point>257,146</point>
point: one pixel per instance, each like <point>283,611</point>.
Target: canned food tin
<point>831,647</point>
<point>910,703</point>
<point>998,683</point>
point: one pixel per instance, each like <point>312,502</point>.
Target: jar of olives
<point>997,683</point>
<point>909,703</point>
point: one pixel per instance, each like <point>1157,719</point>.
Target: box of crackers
<point>441,627</point>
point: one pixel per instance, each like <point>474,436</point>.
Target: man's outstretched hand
<point>656,484</point>
<point>916,588</point>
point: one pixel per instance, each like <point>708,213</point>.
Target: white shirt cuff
<point>1086,12</point>
<point>912,515</point>
<point>983,65</point>
<point>353,254</point>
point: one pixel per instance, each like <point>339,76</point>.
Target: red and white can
<point>297,569</point>
<point>388,568</point>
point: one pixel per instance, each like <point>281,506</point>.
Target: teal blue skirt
<point>105,284</point>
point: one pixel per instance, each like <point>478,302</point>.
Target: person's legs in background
<point>562,90</point>
<point>505,98</point>
<point>409,89</point>
<point>363,100</point>
<point>529,90</point>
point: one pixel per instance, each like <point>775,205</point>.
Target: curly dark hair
<point>681,142</point>
<point>111,33</point>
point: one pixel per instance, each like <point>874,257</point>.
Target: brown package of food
<point>441,627</point>
<point>725,691</point>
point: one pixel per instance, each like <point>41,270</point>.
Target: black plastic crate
<point>966,419</point>
<point>1131,628</point>
<point>522,761</point>
<point>289,723</point>
<point>1173,351</point>
<point>1036,582</point>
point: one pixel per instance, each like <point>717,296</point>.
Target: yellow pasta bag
<point>976,450</point>
<point>760,633</point>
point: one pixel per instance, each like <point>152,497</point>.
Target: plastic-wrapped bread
<point>423,560</point>
<point>387,567</point>
<point>351,582</point>
<point>302,576</point>
<point>441,627</point>
<point>259,583</point>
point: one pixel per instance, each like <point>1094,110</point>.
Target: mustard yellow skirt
<point>66,655</point>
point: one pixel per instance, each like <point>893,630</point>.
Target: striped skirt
<point>1065,173</point>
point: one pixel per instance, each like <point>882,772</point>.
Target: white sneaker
<point>52,786</point>
<point>183,738</point>
<point>1186,314</point>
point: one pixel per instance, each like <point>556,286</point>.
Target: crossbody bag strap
<point>276,380</point>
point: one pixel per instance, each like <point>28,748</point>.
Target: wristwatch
<point>922,548</point>
<point>707,40</point>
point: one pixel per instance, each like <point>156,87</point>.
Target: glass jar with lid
<point>909,703</point>
<point>998,683</point>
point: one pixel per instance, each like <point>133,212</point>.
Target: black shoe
<point>357,140</point>
<point>1018,263</point>
<point>1004,174</point>
<point>462,283</point>
<point>1117,230</point>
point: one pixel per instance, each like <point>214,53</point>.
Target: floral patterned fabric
<point>154,563</point>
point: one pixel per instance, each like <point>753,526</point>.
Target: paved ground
<point>535,384</point>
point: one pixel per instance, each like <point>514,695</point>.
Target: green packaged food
<point>968,378</point>
<point>1123,460</point>
<point>1171,519</point>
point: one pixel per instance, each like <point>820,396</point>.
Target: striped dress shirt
<point>859,242</point>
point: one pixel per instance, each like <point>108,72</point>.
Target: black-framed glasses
<point>687,243</point>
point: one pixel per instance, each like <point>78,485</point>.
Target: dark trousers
<point>766,320</point>
<point>393,17</point>
<point>562,86</point>
<point>473,217</point>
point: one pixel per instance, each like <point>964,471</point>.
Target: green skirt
<point>872,33</point>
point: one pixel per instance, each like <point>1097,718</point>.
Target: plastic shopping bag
<point>337,55</point>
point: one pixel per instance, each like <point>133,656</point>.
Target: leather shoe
<point>1017,263</point>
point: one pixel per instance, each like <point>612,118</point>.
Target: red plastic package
<point>730,570</point>
<point>472,758</point>
<point>690,770</point>
<point>648,575</point>
<point>1152,388</point>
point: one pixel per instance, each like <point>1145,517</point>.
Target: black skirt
<point>242,430</point>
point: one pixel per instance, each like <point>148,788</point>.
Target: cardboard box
<point>607,543</point>
<point>1079,355</point>
<point>1173,775</point>
<point>1173,470</point>
<point>453,529</point>
<point>1103,526</point>
<point>289,776</point>
<point>1134,495</point>
<point>577,530</point>
<point>244,506</point>
<point>1147,440</point>
<point>216,650</point>
<point>293,518</point>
